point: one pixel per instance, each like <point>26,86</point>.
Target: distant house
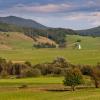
<point>79,46</point>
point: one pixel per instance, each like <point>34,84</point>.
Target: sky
<point>74,14</point>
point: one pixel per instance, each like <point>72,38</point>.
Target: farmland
<point>10,90</point>
<point>22,50</point>
<point>29,95</point>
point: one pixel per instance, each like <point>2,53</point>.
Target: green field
<point>31,81</point>
<point>36,90</point>
<point>23,51</point>
<point>47,55</point>
<point>19,49</point>
<point>30,95</point>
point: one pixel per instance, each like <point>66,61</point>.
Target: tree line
<point>56,34</point>
<point>73,74</point>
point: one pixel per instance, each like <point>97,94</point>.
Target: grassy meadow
<point>18,48</point>
<point>31,81</point>
<point>47,55</point>
<point>22,50</point>
<point>38,89</point>
<point>86,94</point>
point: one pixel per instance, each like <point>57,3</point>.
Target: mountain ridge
<point>22,22</point>
<point>95,31</point>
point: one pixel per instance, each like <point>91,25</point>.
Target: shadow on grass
<point>58,90</point>
<point>68,89</point>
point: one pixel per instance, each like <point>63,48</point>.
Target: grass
<point>10,92</point>
<point>87,42</point>
<point>31,81</point>
<point>90,94</point>
<point>23,50</point>
<point>47,55</point>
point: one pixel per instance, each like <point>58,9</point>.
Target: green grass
<point>10,92</point>
<point>90,94</point>
<point>47,55</point>
<point>16,40</point>
<point>22,51</point>
<point>90,53</point>
<point>31,81</point>
<point>87,42</point>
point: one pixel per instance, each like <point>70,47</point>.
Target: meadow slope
<point>22,50</point>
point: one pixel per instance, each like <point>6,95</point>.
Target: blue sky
<point>75,14</point>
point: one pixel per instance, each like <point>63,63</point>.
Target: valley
<point>35,61</point>
<point>19,48</point>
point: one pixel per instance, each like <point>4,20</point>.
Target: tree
<point>73,78</point>
<point>31,72</point>
<point>86,70</point>
<point>78,40</point>
<point>96,76</point>
<point>3,68</point>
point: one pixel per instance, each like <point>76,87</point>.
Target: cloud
<point>49,8</point>
<point>65,14</point>
<point>64,7</point>
<point>92,18</point>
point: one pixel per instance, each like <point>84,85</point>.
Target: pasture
<point>36,56</point>
<point>86,94</point>
<point>36,90</point>
<point>21,50</point>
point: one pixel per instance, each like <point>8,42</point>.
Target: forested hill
<point>22,22</point>
<point>90,32</point>
<point>56,34</point>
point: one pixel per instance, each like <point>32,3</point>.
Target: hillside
<point>16,40</point>
<point>41,39</point>
<point>22,22</point>
<point>22,50</point>
<point>87,42</point>
<point>90,32</point>
<point>16,24</point>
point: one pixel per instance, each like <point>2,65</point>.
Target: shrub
<point>43,68</point>
<point>44,45</point>
<point>36,72</point>
<point>95,75</point>
<point>86,70</point>
<point>3,68</point>
<point>31,73</point>
<point>78,40</point>
<point>28,63</point>
<point>4,74</point>
<point>73,78</point>
<point>61,62</point>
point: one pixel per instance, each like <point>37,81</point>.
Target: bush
<point>28,63</point>
<point>44,45</point>
<point>86,70</point>
<point>43,68</point>
<point>31,73</point>
<point>4,74</point>
<point>95,75</point>
<point>36,72</point>
<point>73,78</point>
